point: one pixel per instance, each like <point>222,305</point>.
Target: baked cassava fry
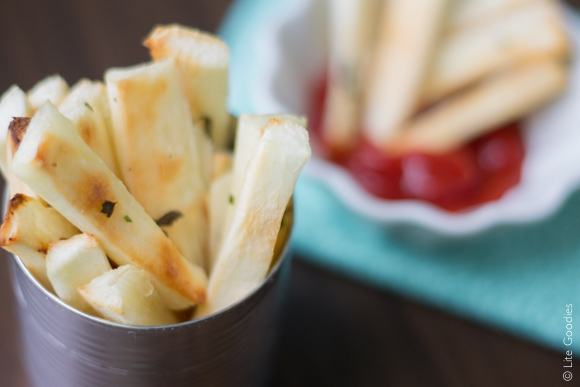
<point>205,149</point>
<point>218,202</point>
<point>14,110</point>
<point>532,32</point>
<point>52,88</point>
<point>16,130</point>
<point>350,31</point>
<point>94,93</point>
<point>90,124</point>
<point>203,62</point>
<point>284,233</point>
<point>157,152</point>
<point>74,262</point>
<point>13,103</point>
<point>406,40</point>
<point>29,227</point>
<point>248,248</point>
<point>497,100</point>
<point>56,163</point>
<point>466,14</point>
<point>125,295</point>
<point>222,163</point>
<point>249,131</point>
<point>248,134</point>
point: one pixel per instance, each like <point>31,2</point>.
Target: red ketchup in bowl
<point>476,173</point>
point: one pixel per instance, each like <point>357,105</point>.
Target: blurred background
<point>335,330</point>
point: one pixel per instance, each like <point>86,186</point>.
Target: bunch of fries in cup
<point>429,76</point>
<point>125,200</point>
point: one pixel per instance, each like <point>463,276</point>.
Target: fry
<point>156,149</point>
<point>29,228</point>
<point>90,124</point>
<point>528,33</point>
<point>249,132</point>
<point>56,163</point>
<point>94,94</point>
<point>284,233</point>
<point>13,103</point>
<point>205,149</point>
<point>269,181</point>
<point>350,30</point>
<point>497,100</point>
<point>203,63</point>
<point>72,263</point>
<point>126,295</point>
<point>465,14</point>
<point>16,130</point>
<point>222,164</point>
<point>219,200</point>
<point>407,37</point>
<point>53,88</point>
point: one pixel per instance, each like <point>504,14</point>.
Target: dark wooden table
<point>335,331</point>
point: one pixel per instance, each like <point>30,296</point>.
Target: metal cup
<point>64,347</point>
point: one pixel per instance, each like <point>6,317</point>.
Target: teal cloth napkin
<point>518,279</point>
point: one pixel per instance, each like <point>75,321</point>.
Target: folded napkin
<point>517,278</point>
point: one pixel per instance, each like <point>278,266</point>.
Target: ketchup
<point>476,173</point>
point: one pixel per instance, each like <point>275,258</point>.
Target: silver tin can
<point>63,347</point>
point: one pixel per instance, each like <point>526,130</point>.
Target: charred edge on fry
<point>17,128</point>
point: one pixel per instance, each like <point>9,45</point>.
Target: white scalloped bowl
<point>293,48</point>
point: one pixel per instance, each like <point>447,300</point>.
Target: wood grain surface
<point>334,331</point>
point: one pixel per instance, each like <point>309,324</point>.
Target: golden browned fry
<point>126,295</point>
<point>75,262</point>
<point>89,123</point>
<point>465,14</point>
<point>249,131</point>
<point>218,201</point>
<point>351,24</point>
<point>94,93</point>
<point>205,149</point>
<point>222,163</point>
<point>16,130</point>
<point>56,163</point>
<point>407,35</point>
<point>497,100</point>
<point>284,234</point>
<point>52,88</point>
<point>531,32</point>
<point>248,248</point>
<point>29,227</point>
<point>13,103</point>
<point>157,152</point>
<point>87,106</point>
<point>203,61</point>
